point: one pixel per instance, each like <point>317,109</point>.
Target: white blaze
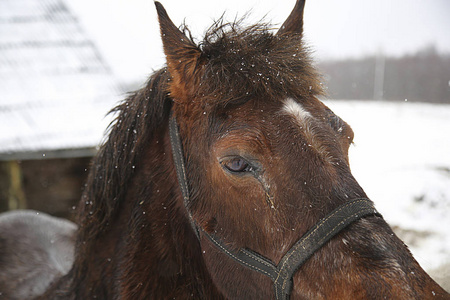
<point>295,109</point>
<point>306,123</point>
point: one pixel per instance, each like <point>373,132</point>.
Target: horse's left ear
<point>294,23</point>
<point>182,54</point>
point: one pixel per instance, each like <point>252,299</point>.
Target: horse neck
<point>148,249</point>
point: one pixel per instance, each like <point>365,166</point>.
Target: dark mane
<point>137,118</point>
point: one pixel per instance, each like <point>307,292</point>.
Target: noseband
<point>281,274</point>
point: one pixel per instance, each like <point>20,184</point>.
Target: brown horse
<point>226,177</point>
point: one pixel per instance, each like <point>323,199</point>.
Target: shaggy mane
<point>138,116</point>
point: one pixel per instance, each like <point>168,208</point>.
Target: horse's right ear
<point>182,56</point>
<point>294,23</point>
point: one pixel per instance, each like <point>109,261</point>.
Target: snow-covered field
<point>401,157</point>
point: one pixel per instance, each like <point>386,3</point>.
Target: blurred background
<point>65,63</point>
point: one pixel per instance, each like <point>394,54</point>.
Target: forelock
<point>241,62</point>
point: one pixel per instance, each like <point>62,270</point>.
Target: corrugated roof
<point>55,89</point>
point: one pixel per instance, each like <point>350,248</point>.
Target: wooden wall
<point>49,185</point>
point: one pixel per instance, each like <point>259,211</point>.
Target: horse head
<point>264,160</point>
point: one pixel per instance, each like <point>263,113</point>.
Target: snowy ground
<point>401,157</point>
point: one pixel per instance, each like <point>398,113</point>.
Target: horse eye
<point>237,165</point>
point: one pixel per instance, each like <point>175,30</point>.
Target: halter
<point>281,274</point>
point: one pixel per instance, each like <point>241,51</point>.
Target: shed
<point>55,91</point>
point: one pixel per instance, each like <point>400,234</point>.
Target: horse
<point>35,249</point>
<point>226,177</point>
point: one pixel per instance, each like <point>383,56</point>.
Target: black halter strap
<point>281,274</point>
<point>177,152</point>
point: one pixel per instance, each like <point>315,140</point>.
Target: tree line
<point>421,77</point>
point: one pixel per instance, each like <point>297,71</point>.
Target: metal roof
<point>55,89</point>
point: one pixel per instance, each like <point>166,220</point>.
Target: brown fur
<point>135,241</point>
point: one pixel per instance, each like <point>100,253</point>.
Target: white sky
<point>127,32</point>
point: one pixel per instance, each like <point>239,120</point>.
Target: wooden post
<point>4,187</point>
<point>12,195</point>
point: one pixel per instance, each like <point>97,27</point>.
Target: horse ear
<point>182,54</point>
<point>294,23</point>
